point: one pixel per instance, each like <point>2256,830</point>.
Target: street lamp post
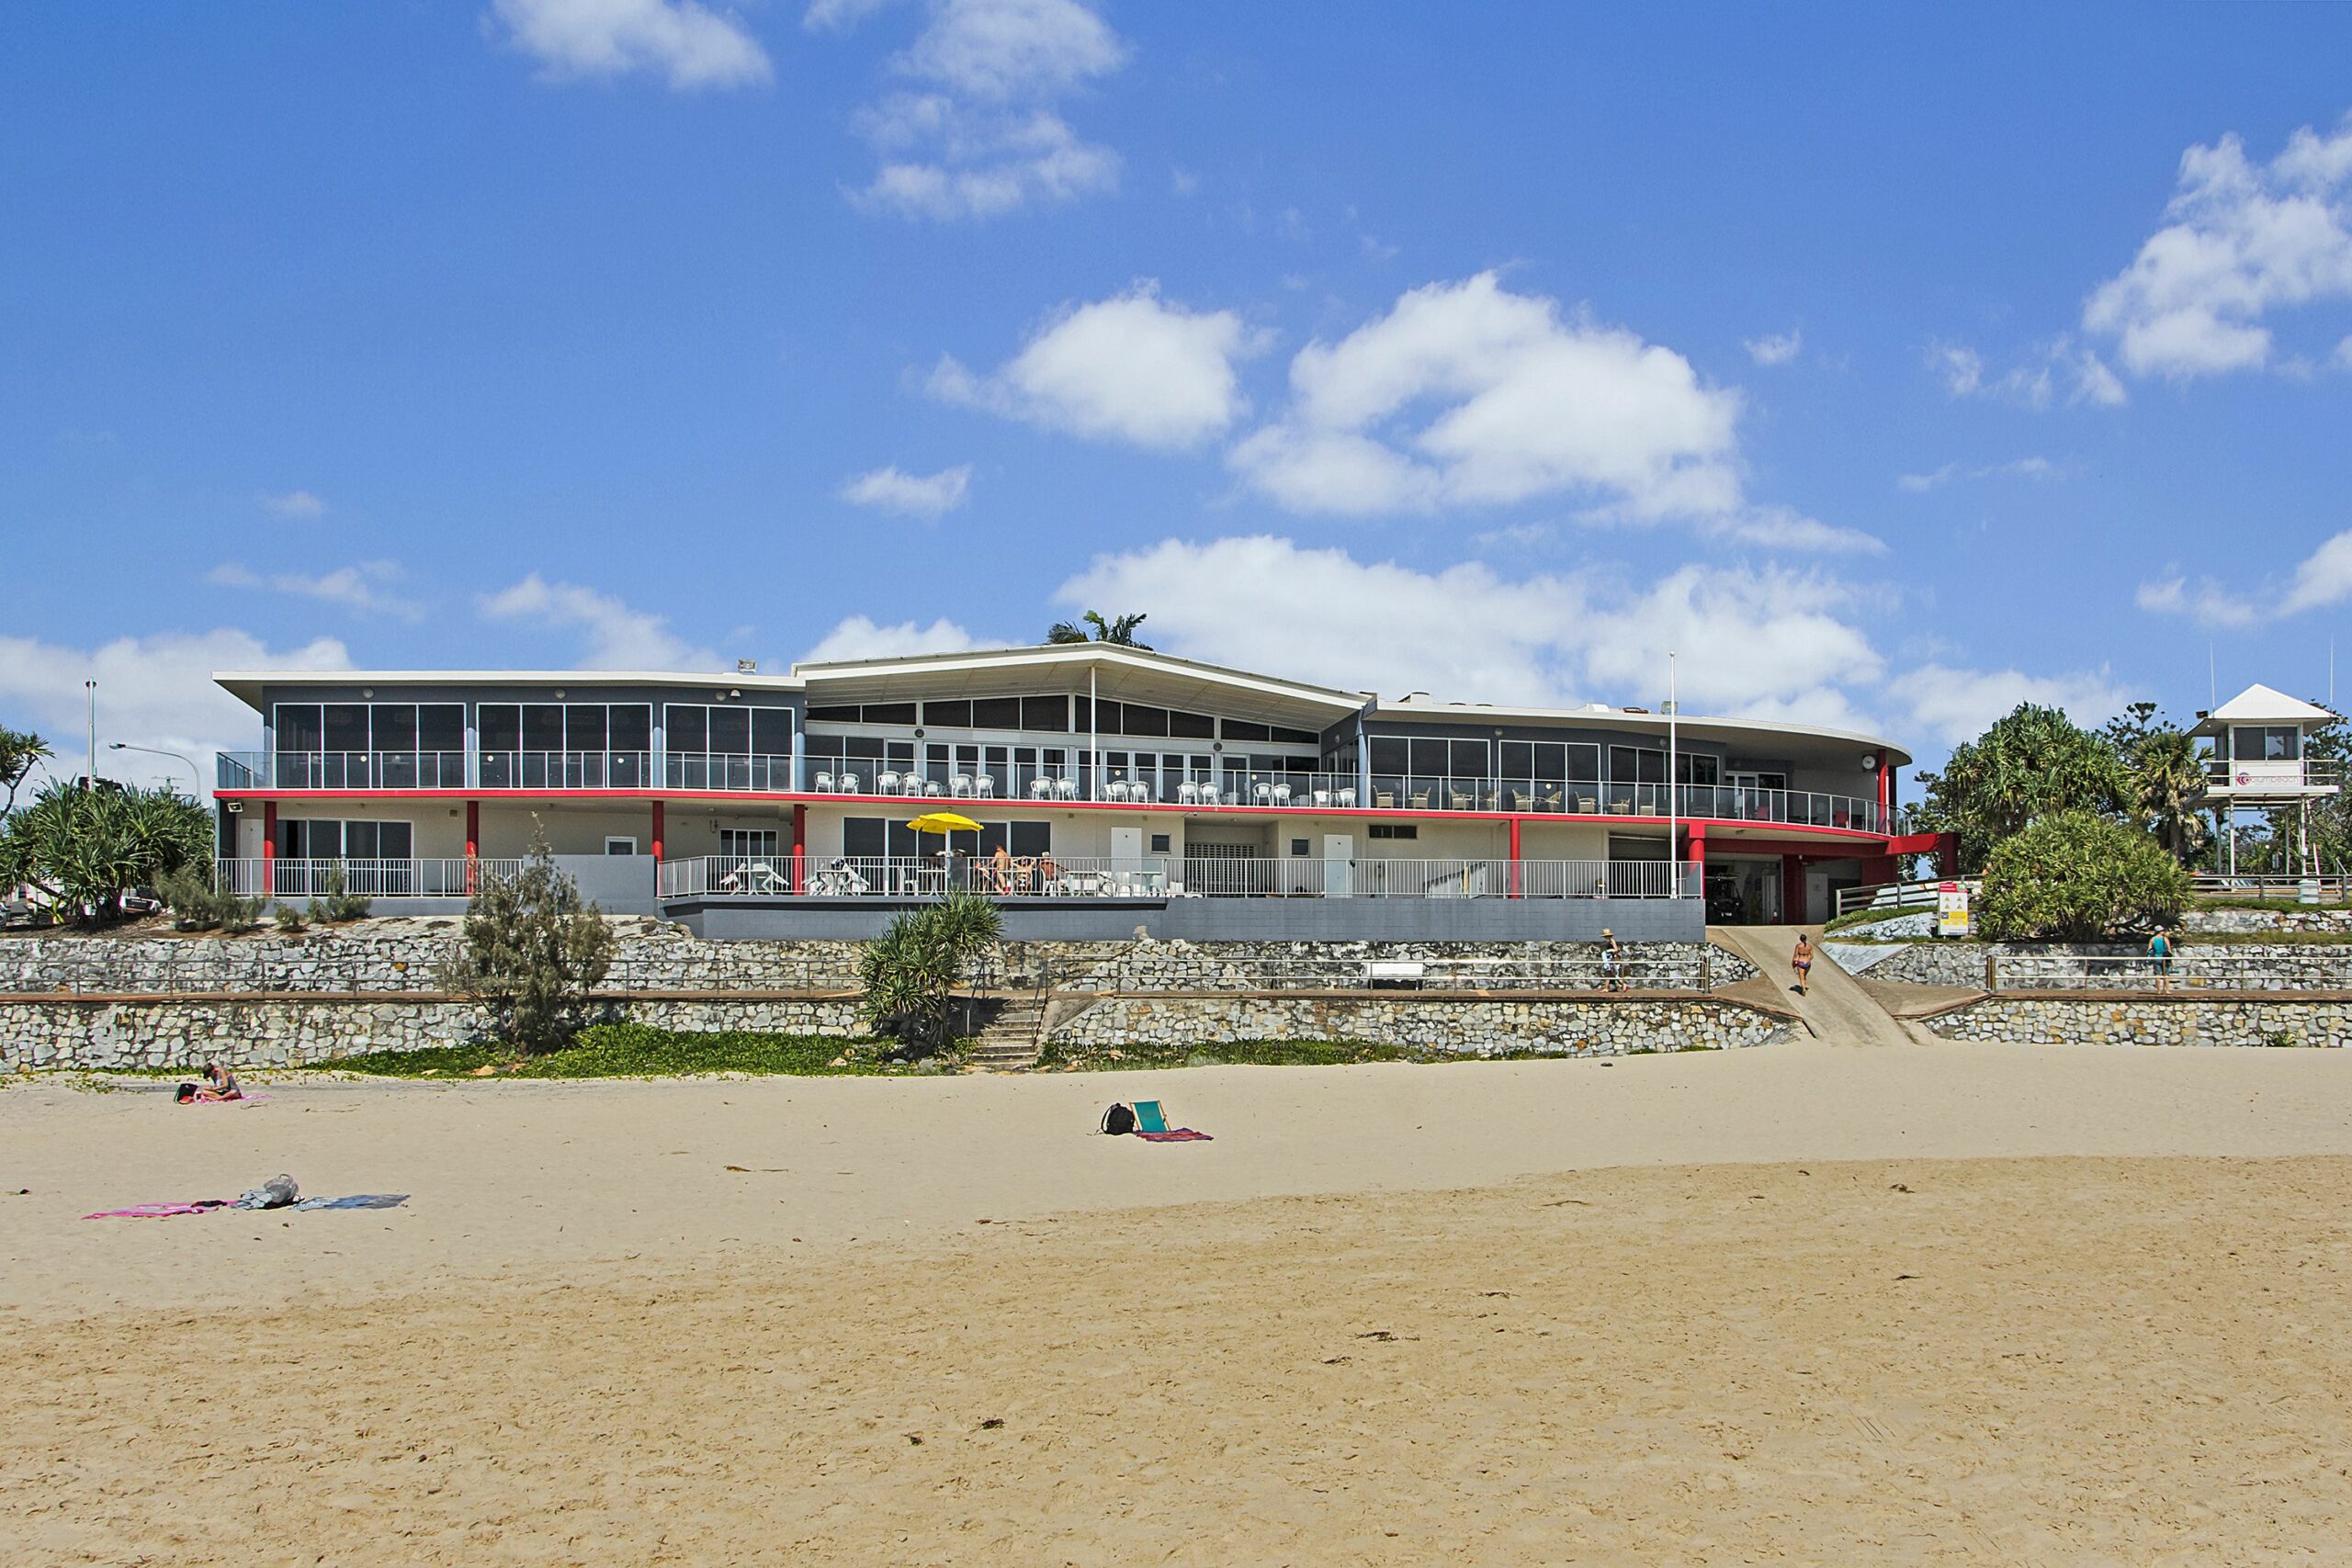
<point>90,779</point>
<point>196,776</point>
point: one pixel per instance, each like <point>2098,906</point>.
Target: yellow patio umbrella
<point>944,823</point>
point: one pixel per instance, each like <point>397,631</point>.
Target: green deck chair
<point>1149,1117</point>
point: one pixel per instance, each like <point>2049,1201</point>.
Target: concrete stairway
<point>1835,1008</point>
<point>1008,1041</point>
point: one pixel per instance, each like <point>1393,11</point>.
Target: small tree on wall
<point>533,950</point>
<point>908,975</point>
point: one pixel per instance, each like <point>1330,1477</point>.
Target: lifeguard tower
<point>2258,763</point>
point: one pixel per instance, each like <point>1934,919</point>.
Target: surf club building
<point>1095,789</point>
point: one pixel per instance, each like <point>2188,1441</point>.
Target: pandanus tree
<point>87,848</point>
<point>1121,631</point>
<point>2029,765</point>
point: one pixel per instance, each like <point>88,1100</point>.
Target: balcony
<point>1201,789</point>
<point>2250,780</point>
<point>1156,877</point>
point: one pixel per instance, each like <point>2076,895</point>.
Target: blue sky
<point>1889,365</point>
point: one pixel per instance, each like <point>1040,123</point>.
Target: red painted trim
<point>268,848</point>
<point>799,847</point>
<point>473,848</point>
<point>1813,851</point>
<point>656,842</point>
<point>1514,858</point>
<point>1916,843</point>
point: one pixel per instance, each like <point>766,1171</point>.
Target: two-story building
<point>1106,787</point>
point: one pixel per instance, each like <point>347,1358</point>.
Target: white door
<point>1816,896</point>
<point>1339,856</point>
<point>1126,849</point>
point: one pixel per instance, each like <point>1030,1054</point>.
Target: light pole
<point>195,776</point>
<point>90,779</point>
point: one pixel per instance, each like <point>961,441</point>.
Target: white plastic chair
<point>1065,788</point>
<point>1041,789</point>
<point>1263,794</point>
<point>932,787</point>
<point>1282,794</point>
<point>886,783</point>
<point>1188,793</point>
<point>962,786</point>
<point>849,784</point>
<point>985,786</point>
<point>1347,797</point>
<point>824,783</point>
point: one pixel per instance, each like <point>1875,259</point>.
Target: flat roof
<point>246,684</point>
<point>1697,726</point>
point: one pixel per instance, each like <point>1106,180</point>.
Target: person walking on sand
<point>1802,960</point>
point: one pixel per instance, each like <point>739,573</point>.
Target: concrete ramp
<point>1835,1007</point>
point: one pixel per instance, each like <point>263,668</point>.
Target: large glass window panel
<point>889,713</point>
<point>299,729</point>
<point>359,841</point>
<point>393,727</point>
<point>1466,758</point>
<point>861,748</point>
<point>441,727</point>
<point>772,732</point>
<point>837,713</point>
<point>948,715</point>
<point>686,728</point>
<point>1623,766</point>
<point>585,725</point>
<point>1033,838</point>
<point>1584,762</point>
<point>346,727</point>
<point>1048,713</point>
<point>1428,757</point>
<point>863,836</point>
<point>1389,754</point>
<point>1136,718</point>
<point>1518,759</point>
<point>996,713</point>
<point>631,728</point>
<point>499,726</point>
<point>730,731</point>
<point>542,727</point>
<point>1296,737</point>
<point>1242,729</point>
<point>1190,725</point>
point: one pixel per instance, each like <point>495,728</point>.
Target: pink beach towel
<point>1175,1136</point>
<point>161,1211</point>
<point>240,1100</point>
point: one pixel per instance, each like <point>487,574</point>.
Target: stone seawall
<point>2256,922</point>
<point>2147,1020</point>
<point>1575,1027</point>
<point>185,1032</point>
<point>2236,966</point>
<point>1241,965</point>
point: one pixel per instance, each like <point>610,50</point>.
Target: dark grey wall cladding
<point>1234,919</point>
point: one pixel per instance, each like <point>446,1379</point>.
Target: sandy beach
<point>1801,1303</point>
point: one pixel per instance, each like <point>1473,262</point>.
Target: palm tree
<point>19,750</point>
<point>2170,774</point>
<point>1121,631</point>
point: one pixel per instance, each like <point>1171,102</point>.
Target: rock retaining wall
<point>1572,1028</point>
<point>2237,966</point>
<point>1241,965</point>
<point>185,1032</point>
<point>2257,922</point>
<point>2040,1021</point>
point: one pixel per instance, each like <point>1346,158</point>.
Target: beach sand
<point>1798,1304</point>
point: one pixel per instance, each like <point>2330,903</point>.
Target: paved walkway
<point>1834,1006</point>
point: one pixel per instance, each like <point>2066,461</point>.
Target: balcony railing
<point>1193,789</point>
<point>1055,877</point>
<point>289,877</point>
<point>2252,776</point>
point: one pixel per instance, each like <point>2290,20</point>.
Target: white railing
<point>2333,889</point>
<point>286,876</point>
<point>366,770</point>
<point>1884,896</point>
<point>1062,876</point>
<point>565,770</point>
<point>921,876</point>
<point>2201,968</point>
<point>1631,971</point>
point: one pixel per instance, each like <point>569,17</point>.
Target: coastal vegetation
<point>2076,876</point>
<point>531,951</point>
<point>908,975</point>
<point>85,849</point>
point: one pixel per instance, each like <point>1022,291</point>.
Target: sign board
<point>1952,908</point>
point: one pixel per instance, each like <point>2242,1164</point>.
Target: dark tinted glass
<point>441,727</point>
<point>1242,729</point>
<point>393,727</point>
<point>346,724</point>
<point>1429,757</point>
<point>1190,726</point>
<point>1468,758</point>
<point>542,727</point>
<point>501,727</point>
<point>889,713</point>
<point>863,836</point>
<point>584,726</point>
<point>772,733</point>
<point>839,713</point>
<point>1031,838</point>
<point>996,713</point>
<point>632,728</point>
<point>1516,759</point>
<point>1049,714</point>
<point>1136,719</point>
<point>954,715</point>
<point>1388,755</point>
<point>730,731</point>
<point>299,729</point>
<point>685,727</point>
<point>1296,737</point>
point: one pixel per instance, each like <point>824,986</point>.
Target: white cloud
<point>1959,705</point>
<point>839,16</point>
<point>2323,578</point>
<point>154,690</point>
<point>1466,394</point>
<point>690,44</point>
<point>300,506</point>
<point>2206,602</point>
<point>1785,528</point>
<point>917,495</point>
<point>1267,603</point>
<point>615,636</point>
<point>982,136</point>
<point>1776,349</point>
<point>366,588</point>
<point>2243,240</point>
<point>2343,355</point>
<point>2021,467</point>
<point>1128,369</point>
<point>2034,384</point>
<point>860,638</point>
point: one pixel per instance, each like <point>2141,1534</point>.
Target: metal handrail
<point>1051,876</point>
<point>236,968</point>
<point>2325,889</point>
<point>2202,967</point>
<point>1632,972</point>
<point>288,876</point>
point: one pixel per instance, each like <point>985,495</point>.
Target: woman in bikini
<point>1802,960</point>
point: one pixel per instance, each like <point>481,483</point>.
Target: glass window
<point>299,729</point>
<point>1428,757</point>
<point>501,724</point>
<point>1190,726</point>
<point>1584,762</point>
<point>1518,759</point>
<point>772,732</point>
<point>1033,838</point>
<point>858,748</point>
<point>632,729</point>
<point>730,731</point>
<point>1296,737</point>
<point>1622,767</point>
<point>1048,714</point>
<point>1241,729</point>
<point>542,727</point>
<point>346,727</point>
<point>584,726</point>
<point>441,727</point>
<point>953,716</point>
<point>839,713</point>
<point>889,713</point>
<point>393,728</point>
<point>1136,718</point>
<point>1081,711</point>
<point>996,713</point>
<point>1388,755</point>
<point>1551,761</point>
<point>1467,759</point>
<point>685,729</point>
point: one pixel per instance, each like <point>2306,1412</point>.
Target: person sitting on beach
<point>1802,960</point>
<point>219,1083</point>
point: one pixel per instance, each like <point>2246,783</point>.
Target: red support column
<point>1792,890</point>
<point>799,847</point>
<point>1946,854</point>
<point>1699,854</point>
<point>1514,858</point>
<point>1886,796</point>
<point>657,848</point>
<point>268,849</point>
<point>473,848</point>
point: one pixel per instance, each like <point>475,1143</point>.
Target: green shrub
<point>2077,877</point>
<point>198,905</point>
<point>532,952</point>
<point>909,977</point>
<point>340,905</point>
<point>290,918</point>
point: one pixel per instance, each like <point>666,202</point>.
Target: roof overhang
<point>1728,731</point>
<point>1123,674</point>
<point>247,685</point>
<point>2263,704</point>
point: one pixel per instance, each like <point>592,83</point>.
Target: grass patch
<point>1134,1056</point>
<point>1872,917</point>
<point>641,1050</point>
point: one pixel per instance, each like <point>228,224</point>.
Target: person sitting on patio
<point>1047,871</point>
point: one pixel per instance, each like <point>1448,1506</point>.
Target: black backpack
<point>1117,1120</point>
